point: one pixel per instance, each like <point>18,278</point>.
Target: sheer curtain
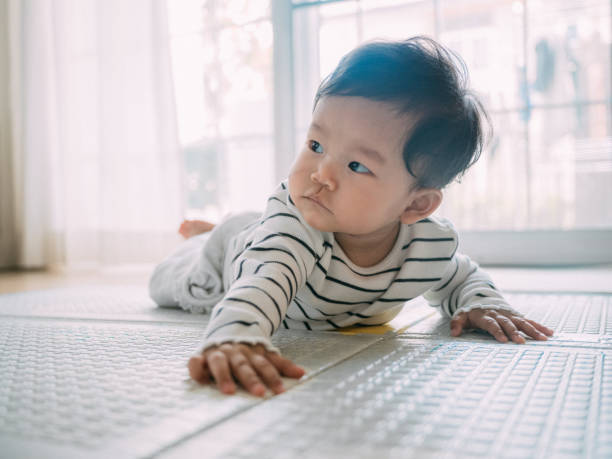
<point>95,155</point>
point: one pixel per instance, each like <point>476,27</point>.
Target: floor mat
<point>577,319</point>
<point>93,302</point>
<point>433,398</point>
<point>100,372</point>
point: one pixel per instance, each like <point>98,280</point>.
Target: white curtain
<point>96,168</point>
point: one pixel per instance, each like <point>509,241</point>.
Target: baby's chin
<point>317,222</point>
<point>326,226</point>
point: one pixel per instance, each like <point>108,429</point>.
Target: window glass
<point>381,19</point>
<point>551,151</point>
<point>494,192</point>
<point>488,35</point>
<point>542,70</point>
<point>222,68</point>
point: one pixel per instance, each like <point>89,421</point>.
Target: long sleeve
<point>463,287</point>
<point>272,264</point>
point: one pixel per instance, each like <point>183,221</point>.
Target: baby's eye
<point>358,167</point>
<point>315,146</point>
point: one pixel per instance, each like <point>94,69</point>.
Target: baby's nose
<point>325,175</point>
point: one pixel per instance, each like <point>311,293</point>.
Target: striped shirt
<point>280,272</point>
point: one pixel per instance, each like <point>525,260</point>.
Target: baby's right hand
<point>254,367</point>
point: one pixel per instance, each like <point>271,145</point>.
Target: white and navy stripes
<point>286,274</point>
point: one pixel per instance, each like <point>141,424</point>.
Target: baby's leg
<point>190,228</point>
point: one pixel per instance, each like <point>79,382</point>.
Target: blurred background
<point>121,118</point>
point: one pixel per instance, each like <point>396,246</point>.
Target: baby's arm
<point>237,340</point>
<point>271,265</point>
<point>254,367</point>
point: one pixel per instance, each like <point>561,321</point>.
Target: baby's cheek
<point>296,189</point>
<point>298,179</point>
<point>293,185</point>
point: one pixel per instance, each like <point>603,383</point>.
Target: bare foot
<point>190,228</point>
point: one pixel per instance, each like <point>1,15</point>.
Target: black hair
<point>418,77</point>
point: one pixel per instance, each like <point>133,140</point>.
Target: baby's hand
<point>501,324</point>
<point>254,367</point>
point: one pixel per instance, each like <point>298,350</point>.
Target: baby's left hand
<point>501,324</point>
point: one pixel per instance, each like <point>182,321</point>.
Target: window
<point>222,67</point>
<point>541,67</point>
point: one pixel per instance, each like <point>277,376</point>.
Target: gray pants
<point>197,275</point>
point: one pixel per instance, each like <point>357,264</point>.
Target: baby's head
<point>391,126</point>
<point>428,83</point>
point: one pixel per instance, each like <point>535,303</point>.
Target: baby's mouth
<point>317,201</point>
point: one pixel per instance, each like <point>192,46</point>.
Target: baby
<point>349,238</point>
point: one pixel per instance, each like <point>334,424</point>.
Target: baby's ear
<point>423,203</point>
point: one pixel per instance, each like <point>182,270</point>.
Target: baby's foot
<point>190,228</point>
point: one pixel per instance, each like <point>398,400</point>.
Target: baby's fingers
<point>244,372</point>
<point>285,367</point>
<point>510,329</point>
<point>198,369</point>
<point>528,327</point>
<point>267,372</point>
<point>541,328</point>
<point>220,370</point>
<point>491,325</point>
<point>458,324</point>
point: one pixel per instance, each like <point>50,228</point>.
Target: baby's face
<point>350,176</point>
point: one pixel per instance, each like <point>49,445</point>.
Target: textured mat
<point>130,303</point>
<point>578,320</point>
<point>100,372</point>
<point>422,398</point>
<point>82,388</point>
<point>93,302</point>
